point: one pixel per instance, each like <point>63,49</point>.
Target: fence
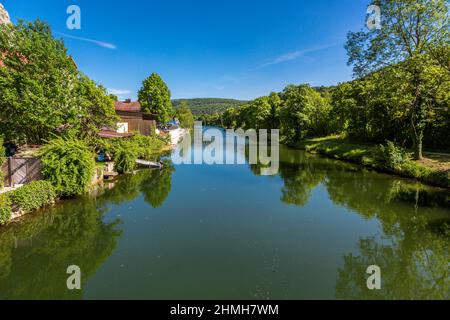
<point>21,170</point>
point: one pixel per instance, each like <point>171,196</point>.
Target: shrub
<point>33,196</point>
<point>5,209</point>
<point>147,147</point>
<point>125,158</point>
<point>69,165</point>
<point>390,156</point>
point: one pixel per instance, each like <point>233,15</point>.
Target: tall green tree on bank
<point>412,34</point>
<point>185,116</point>
<point>41,89</point>
<point>37,83</point>
<point>96,106</point>
<point>304,113</point>
<point>154,97</point>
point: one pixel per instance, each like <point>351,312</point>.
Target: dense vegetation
<point>5,208</point>
<point>208,106</point>
<point>33,196</point>
<point>185,116</point>
<point>69,165</point>
<point>154,97</point>
<point>41,89</point>
<point>45,100</point>
<point>125,152</point>
<point>401,92</point>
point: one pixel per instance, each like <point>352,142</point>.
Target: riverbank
<point>434,169</point>
<point>21,200</point>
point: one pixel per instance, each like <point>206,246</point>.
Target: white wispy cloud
<point>103,44</point>
<point>118,92</point>
<point>289,56</point>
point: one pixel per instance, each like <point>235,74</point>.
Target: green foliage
<point>41,89</point>
<point>208,106</point>
<point>5,208</point>
<point>305,112</point>
<point>390,156</point>
<point>33,196</point>
<point>185,116</point>
<point>36,84</point>
<point>125,152</point>
<point>125,157</point>
<point>154,97</point>
<point>69,165</point>
<point>411,35</point>
<point>97,107</point>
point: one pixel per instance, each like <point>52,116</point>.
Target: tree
<point>185,116</point>
<point>299,112</point>
<point>412,32</point>
<point>37,83</point>
<point>154,97</point>
<point>97,107</point>
<point>275,103</point>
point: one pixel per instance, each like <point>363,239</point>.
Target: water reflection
<point>413,248</point>
<point>35,254</point>
<point>413,265</point>
<point>279,235</point>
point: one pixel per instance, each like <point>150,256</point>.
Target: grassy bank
<point>388,158</point>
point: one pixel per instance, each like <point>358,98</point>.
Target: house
<point>131,120</point>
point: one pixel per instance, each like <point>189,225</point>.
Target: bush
<point>69,165</point>
<point>125,158</point>
<point>147,147</point>
<point>390,156</point>
<point>125,152</point>
<point>33,196</point>
<point>5,209</point>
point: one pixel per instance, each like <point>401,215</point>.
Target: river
<point>226,232</point>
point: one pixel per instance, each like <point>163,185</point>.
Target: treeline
<point>372,110</point>
<point>401,90</point>
<point>208,106</point>
<point>41,89</point>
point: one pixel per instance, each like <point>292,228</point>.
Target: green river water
<point>226,232</point>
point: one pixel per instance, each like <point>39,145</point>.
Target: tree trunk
<point>418,146</point>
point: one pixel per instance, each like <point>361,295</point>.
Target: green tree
<point>299,113</point>
<point>275,102</point>
<point>37,83</point>
<point>412,32</point>
<point>97,107</point>
<point>185,116</point>
<point>154,97</point>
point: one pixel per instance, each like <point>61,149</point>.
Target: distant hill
<point>201,106</point>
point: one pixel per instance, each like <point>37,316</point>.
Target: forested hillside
<point>208,105</point>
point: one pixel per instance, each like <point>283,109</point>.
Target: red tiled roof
<point>127,106</point>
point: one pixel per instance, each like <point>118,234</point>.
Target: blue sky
<point>216,48</point>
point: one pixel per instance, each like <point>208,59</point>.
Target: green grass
<point>337,147</point>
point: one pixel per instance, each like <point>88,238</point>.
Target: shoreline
<point>17,215</point>
<point>361,155</point>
